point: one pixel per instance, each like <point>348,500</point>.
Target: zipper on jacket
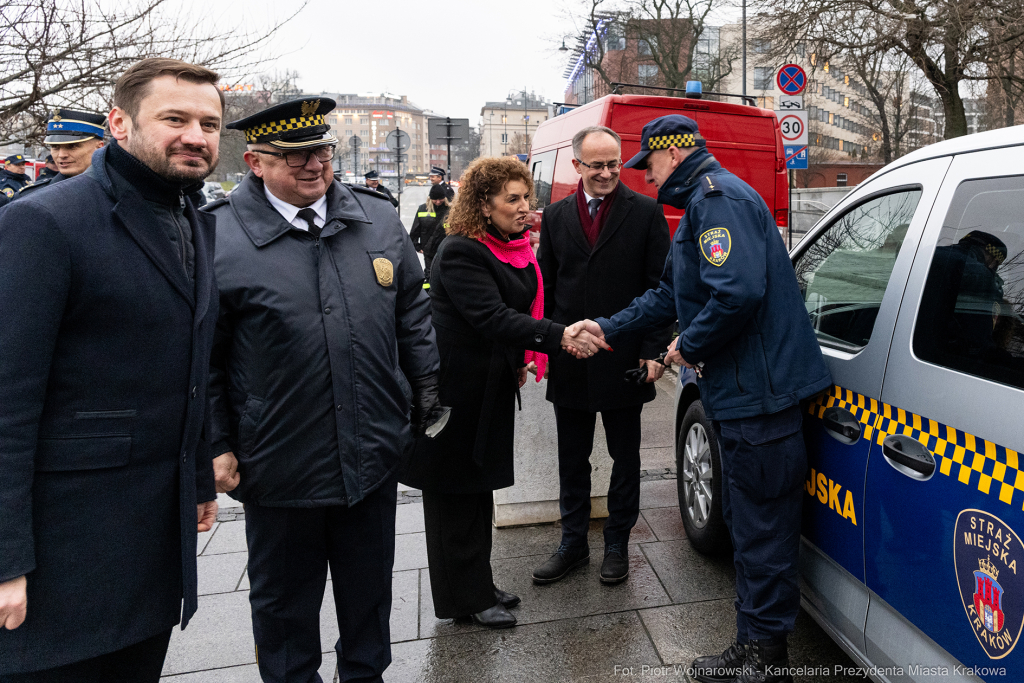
<point>181,236</point>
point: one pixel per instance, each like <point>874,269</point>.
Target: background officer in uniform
<point>743,324</point>
<point>373,182</point>
<point>49,169</point>
<point>324,326</point>
<point>73,136</point>
<point>428,227</point>
<point>599,249</point>
<point>436,177</point>
<point>12,177</point>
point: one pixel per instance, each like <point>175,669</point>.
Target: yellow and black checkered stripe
<point>973,461</point>
<point>680,140</point>
<point>264,129</point>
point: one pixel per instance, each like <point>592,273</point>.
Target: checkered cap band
<point>265,129</point>
<point>995,252</point>
<point>679,140</point>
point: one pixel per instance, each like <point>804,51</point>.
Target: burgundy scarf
<point>518,253</point>
<point>592,227</point>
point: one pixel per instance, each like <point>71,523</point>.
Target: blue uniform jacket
<point>729,280</point>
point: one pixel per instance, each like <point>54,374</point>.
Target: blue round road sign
<point>791,79</point>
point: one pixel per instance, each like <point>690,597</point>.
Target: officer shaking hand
<point>744,328</point>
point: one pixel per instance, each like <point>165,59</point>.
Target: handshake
<point>584,339</point>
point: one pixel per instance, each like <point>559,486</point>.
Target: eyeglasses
<point>300,157</point>
<point>611,165</point>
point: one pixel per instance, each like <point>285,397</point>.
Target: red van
<point>746,140</point>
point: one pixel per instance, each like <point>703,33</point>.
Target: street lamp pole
<point>504,120</point>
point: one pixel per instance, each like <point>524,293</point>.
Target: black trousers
<point>138,663</point>
<point>459,552</point>
<point>289,552</point>
<point>575,444</point>
<point>764,464</point>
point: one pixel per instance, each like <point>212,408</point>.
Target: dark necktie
<point>308,215</point>
<point>594,205</point>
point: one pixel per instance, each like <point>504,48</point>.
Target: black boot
<point>615,568</point>
<point>564,559</point>
<point>723,668</point>
<point>505,598</point>
<point>767,662</point>
<point>494,617</point>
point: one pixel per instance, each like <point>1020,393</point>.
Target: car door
<point>943,520</point>
<point>851,271</point>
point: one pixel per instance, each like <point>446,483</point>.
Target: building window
<point>763,76</point>
<point>647,74</point>
<point>504,138</point>
<point>846,101</point>
<point>364,120</point>
<point>348,132</point>
<point>840,177</point>
<point>800,48</point>
<point>762,46</point>
<point>348,121</point>
<point>615,38</point>
<point>647,46</point>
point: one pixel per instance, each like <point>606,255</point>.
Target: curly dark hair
<point>481,182</point>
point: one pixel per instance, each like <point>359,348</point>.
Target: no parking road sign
<point>793,125</point>
<point>791,79</point>
<point>796,157</point>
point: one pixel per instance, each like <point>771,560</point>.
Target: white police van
<point>912,556</point>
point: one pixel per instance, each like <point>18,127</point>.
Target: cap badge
<point>309,107</point>
<point>56,115</point>
<point>384,271</point>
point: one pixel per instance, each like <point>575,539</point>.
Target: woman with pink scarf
<point>487,303</point>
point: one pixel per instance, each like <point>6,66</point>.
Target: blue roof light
<point>694,89</point>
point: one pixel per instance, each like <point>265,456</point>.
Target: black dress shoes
<point>615,568</point>
<point>495,617</point>
<point>507,599</point>
<point>565,559</point>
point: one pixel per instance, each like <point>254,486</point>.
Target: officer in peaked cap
<point>12,177</point>
<point>323,320</point>
<point>436,177</point>
<point>373,182</point>
<point>73,136</point>
<point>49,169</point>
<point>745,333</point>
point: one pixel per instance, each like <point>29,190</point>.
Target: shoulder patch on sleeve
<point>715,244</point>
<point>9,191</point>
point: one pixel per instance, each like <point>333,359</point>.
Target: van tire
<point>700,498</point>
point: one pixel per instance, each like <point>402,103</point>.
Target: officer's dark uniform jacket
<point>308,377</point>
<point>49,181</point>
<point>428,228</point>
<point>11,184</point>
<point>382,189</point>
<point>743,317</point>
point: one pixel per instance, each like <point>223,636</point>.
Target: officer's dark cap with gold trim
<point>68,126</point>
<point>662,133</point>
<point>298,124</point>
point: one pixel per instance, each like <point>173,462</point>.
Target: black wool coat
<point>481,314</point>
<point>104,355</point>
<point>580,282</point>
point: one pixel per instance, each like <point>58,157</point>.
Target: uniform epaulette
<point>367,190</point>
<point>215,204</point>
<point>710,188</point>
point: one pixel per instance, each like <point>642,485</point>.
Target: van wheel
<point>699,483</point>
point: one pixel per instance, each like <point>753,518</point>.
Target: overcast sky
<point>447,55</point>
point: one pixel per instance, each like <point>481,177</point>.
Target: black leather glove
<point>426,408</point>
<point>639,375</point>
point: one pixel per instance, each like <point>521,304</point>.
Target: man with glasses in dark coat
<point>324,344</point>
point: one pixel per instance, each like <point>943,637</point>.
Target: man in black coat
<point>324,325</point>
<point>436,177</point>
<point>599,249</point>
<point>109,306</point>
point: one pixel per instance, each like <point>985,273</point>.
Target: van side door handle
<point>841,425</point>
<point>910,454</point>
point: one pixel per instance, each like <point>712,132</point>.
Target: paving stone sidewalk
<point>676,604</point>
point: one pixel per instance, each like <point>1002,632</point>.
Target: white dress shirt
<point>290,213</point>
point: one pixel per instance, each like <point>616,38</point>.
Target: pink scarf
<point>518,253</point>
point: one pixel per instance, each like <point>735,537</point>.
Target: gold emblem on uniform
<point>309,107</point>
<point>384,270</point>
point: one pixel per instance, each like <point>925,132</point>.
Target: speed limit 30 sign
<point>793,125</point>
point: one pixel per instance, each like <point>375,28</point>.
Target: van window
<point>543,168</point>
<point>844,272</point>
<point>972,312</point>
